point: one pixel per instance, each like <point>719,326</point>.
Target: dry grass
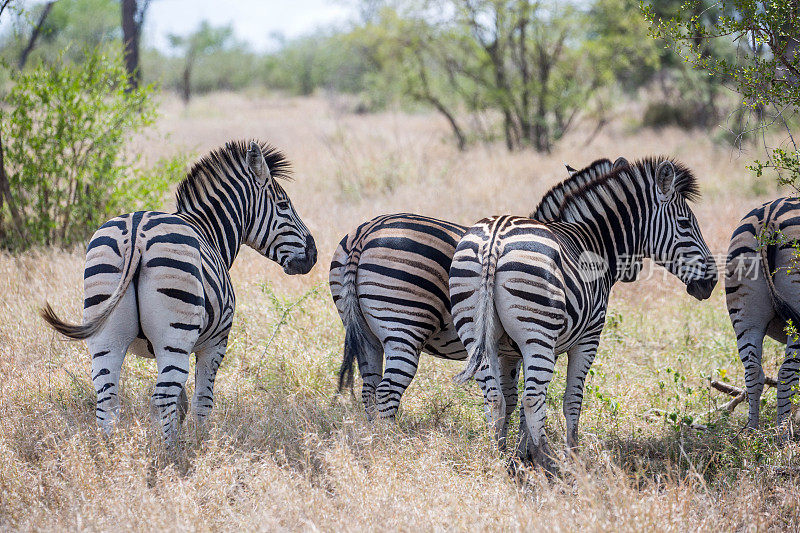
<point>286,453</point>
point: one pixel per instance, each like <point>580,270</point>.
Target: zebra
<point>546,285</point>
<point>157,284</point>
<point>759,286</point>
<point>388,279</point>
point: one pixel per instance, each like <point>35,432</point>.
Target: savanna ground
<point>285,452</point>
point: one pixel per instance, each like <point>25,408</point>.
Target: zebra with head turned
<point>546,285</point>
<point>388,279</point>
<point>761,287</point>
<point>158,283</point>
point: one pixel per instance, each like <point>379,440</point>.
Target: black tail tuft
<point>473,365</point>
<point>357,343</point>
<point>351,351</point>
<point>73,331</point>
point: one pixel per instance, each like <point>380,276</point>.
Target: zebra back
<point>549,207</point>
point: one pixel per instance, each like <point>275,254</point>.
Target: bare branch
<point>23,58</point>
<point>4,5</point>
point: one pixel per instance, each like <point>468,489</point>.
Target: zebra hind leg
<point>750,345</point>
<point>538,371</point>
<point>173,370</point>
<point>787,381</point>
<point>494,404</point>
<point>208,362</point>
<point>580,359</point>
<point>108,348</point>
<point>401,365</point>
<point>106,368</point>
<point>509,377</point>
<point>183,406</point>
<point>371,369</point>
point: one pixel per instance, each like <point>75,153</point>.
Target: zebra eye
<point>282,205</point>
<point>684,223</point>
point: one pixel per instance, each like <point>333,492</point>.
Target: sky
<point>254,21</point>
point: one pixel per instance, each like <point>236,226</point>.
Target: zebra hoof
<point>517,469</point>
<point>544,460</point>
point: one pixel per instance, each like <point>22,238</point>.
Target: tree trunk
<point>459,135</point>
<point>525,119</point>
<point>427,95</point>
<point>131,33</point>
<point>186,92</point>
<point>2,200</point>
<point>790,45</point>
<point>501,86</point>
<point>23,58</point>
<point>5,191</point>
<point>541,135</point>
<point>3,5</point>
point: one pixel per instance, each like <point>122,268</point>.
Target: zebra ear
<point>257,164</point>
<point>620,162</point>
<point>571,171</point>
<point>665,180</point>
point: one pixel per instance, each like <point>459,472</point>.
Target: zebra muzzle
<point>302,263</point>
<point>701,288</point>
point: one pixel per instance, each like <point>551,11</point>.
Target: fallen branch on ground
<point>739,395</point>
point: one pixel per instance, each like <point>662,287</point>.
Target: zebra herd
<point>508,294</point>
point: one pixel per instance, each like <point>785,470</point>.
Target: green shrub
<point>64,130</point>
<point>662,114</point>
<point>146,189</point>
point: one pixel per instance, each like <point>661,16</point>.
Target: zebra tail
<point>485,339</point>
<point>769,265</point>
<point>84,331</point>
<point>358,338</point>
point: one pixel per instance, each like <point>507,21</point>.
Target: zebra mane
<point>548,208</point>
<point>642,171</point>
<point>226,163</point>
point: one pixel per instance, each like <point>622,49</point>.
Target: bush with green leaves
<point>64,130</point>
<point>765,69</point>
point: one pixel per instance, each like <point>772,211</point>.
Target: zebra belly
<point>142,348</point>
<point>446,344</point>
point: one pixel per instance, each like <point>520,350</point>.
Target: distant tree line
<point>76,84</point>
<point>520,71</point>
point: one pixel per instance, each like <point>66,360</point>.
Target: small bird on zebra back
<point>388,279</point>
<point>762,289</point>
<point>546,285</point>
<point>157,284</point>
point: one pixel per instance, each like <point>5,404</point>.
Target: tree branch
<point>3,5</point>
<point>23,58</point>
<point>739,395</point>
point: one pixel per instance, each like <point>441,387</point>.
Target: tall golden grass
<point>286,452</point>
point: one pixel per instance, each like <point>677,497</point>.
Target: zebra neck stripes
<point>222,184</point>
